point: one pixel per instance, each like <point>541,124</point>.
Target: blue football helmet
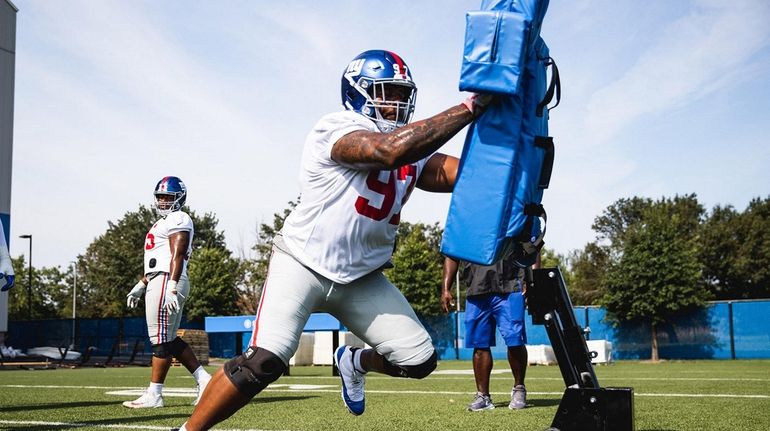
<point>380,80</point>
<point>170,186</point>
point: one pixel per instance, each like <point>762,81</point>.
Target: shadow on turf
<point>534,403</point>
<point>77,404</point>
<point>271,399</point>
<point>180,416</point>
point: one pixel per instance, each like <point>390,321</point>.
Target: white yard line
<point>322,389</point>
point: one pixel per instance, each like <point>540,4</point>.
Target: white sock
<point>201,375</point>
<point>183,428</point>
<point>156,388</point>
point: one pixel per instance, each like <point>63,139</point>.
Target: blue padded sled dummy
<point>507,158</point>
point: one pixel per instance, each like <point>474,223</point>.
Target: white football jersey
<point>344,226</point>
<point>157,250</point>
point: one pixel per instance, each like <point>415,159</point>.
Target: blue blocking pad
<point>507,159</point>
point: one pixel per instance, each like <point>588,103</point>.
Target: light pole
<point>74,303</point>
<point>29,283</point>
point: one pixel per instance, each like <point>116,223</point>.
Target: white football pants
<point>162,325</point>
<point>371,308</point>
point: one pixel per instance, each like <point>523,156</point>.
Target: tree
<point>755,248</point>
<point>418,266</point>
<point>657,275</point>
<point>551,259</point>
<point>735,251</point>
<point>114,261</point>
<point>255,270</point>
<point>721,242</point>
<point>588,268</point>
<point>611,226</point>
<point>41,298</point>
<point>214,275</point>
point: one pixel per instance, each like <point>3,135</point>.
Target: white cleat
<point>146,401</point>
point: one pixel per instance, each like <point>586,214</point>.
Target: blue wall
<point>99,333</point>
<point>723,330</point>
<point>705,334</point>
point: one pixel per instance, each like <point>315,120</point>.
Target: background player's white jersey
<point>345,224</point>
<point>157,250</point>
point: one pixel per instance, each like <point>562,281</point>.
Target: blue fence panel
<point>751,329</point>
<point>223,344</point>
<point>720,321</point>
<point>705,334</point>
<point>689,336</point>
<point>600,330</point>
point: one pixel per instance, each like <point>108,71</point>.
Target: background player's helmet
<point>170,186</point>
<point>364,81</point>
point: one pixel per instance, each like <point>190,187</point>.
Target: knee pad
<point>253,370</point>
<point>162,350</point>
<point>418,371</point>
<point>174,348</point>
<point>177,346</point>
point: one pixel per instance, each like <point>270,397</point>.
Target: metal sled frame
<point>585,406</point>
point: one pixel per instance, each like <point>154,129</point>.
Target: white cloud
<point>694,55</point>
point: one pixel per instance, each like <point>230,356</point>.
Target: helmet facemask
<point>167,206</point>
<point>389,102</point>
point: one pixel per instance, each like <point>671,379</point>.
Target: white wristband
<point>172,286</point>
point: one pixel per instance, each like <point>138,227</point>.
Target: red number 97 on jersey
<point>388,191</point>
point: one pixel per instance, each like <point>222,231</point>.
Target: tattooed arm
<point>367,150</point>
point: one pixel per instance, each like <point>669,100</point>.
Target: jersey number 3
<point>388,192</point>
<point>149,242</point>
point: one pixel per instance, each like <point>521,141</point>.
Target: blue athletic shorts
<point>484,312</point>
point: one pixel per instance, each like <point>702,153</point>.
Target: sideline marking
<point>192,393</point>
<point>709,379</point>
<point>110,426</point>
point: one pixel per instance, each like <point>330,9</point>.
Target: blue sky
<point>659,98</point>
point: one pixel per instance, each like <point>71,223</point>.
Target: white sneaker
<point>352,380</point>
<point>481,402</point>
<point>518,398</point>
<point>146,401</point>
<point>201,389</point>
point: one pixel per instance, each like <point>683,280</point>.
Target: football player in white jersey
<point>6,268</point>
<point>165,287</point>
<point>359,167</point>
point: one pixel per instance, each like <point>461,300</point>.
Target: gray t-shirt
<point>502,277</point>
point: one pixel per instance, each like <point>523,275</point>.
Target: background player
<point>494,298</point>
<point>358,169</point>
<point>167,249</point>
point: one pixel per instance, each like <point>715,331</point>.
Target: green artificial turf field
<point>675,395</point>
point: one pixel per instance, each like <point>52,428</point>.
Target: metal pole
<point>74,304</point>
<point>29,285</point>
<point>29,282</point>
